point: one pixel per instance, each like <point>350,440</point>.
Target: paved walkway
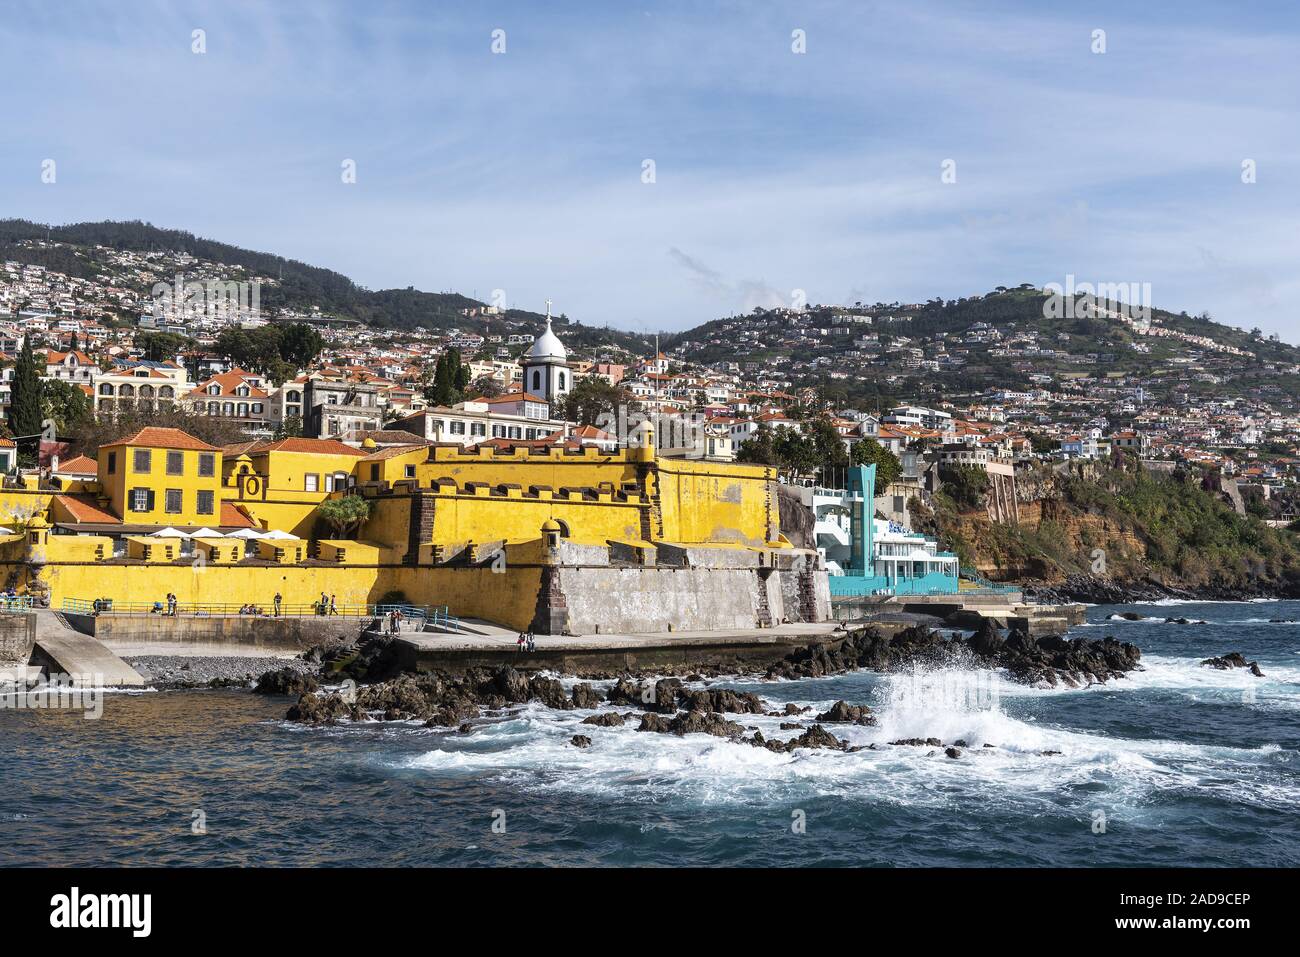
<point>498,638</point>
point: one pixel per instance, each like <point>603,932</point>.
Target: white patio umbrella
<point>169,532</point>
<point>277,535</point>
<point>245,533</point>
<point>206,532</point>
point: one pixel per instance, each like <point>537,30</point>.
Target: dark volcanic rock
<point>510,685</point>
<point>720,699</point>
<point>1048,660</point>
<point>952,752</point>
<point>691,722</point>
<point>377,660</point>
<point>987,640</point>
<point>653,722</point>
<point>586,697</point>
<point>919,742</point>
<point>549,692</point>
<point>625,691</point>
<point>843,711</point>
<point>816,738</point>
<point>580,741</point>
<point>1234,659</point>
<point>438,698</point>
<point>606,719</point>
<point>285,681</point>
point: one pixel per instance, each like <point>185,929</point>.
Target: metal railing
<point>982,584</point>
<point>16,603</point>
<point>326,609</point>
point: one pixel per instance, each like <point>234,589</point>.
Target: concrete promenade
<point>496,646</point>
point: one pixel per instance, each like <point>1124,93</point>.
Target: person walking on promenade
<point>276,602</point>
<point>171,604</point>
<point>333,608</point>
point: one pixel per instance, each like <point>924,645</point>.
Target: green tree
<point>759,448</point>
<point>290,428</point>
<point>344,515</point>
<point>486,387</point>
<point>161,346</point>
<point>870,452</point>
<point>827,443</point>
<point>589,399</point>
<point>450,380</point>
<point>65,404</point>
<point>300,344</point>
<point>25,400</point>
<point>964,484</point>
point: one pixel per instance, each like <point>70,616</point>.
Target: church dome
<point>547,347</point>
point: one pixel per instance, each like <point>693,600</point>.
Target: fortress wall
<point>637,600</point>
<point>805,589</point>
<point>17,635</point>
<point>714,502</point>
<point>508,598</point>
<point>17,504</point>
<point>156,634</point>
<point>462,518</point>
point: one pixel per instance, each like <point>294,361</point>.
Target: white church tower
<point>546,370</point>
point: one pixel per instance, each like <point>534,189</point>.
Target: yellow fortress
<point>560,541</point>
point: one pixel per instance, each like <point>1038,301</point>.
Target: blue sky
<point>774,171</point>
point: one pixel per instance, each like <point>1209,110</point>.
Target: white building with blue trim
<point>871,556</point>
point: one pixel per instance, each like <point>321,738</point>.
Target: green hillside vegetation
<point>299,285</point>
<point>1186,534</point>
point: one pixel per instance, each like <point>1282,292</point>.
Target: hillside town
<point>147,332</point>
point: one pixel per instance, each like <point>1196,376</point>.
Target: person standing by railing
<point>276,603</point>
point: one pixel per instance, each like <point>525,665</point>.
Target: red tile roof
<point>83,508</point>
<point>233,517</point>
<point>156,437</point>
<point>320,446</point>
<point>229,382</point>
<point>81,464</point>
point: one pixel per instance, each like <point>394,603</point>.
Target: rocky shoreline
<point>178,671</point>
<point>670,705</point>
<point>1094,590</point>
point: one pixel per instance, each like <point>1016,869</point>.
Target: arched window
<point>562,385</point>
<point>146,392</point>
<point>166,392</point>
<point>295,396</point>
<point>105,389</point>
<point>537,381</point>
<point>214,389</point>
<point>127,391</point>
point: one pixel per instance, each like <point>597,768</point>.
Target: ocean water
<point>1176,765</point>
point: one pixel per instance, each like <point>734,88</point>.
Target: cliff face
<point>1129,527</point>
<point>796,518</point>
